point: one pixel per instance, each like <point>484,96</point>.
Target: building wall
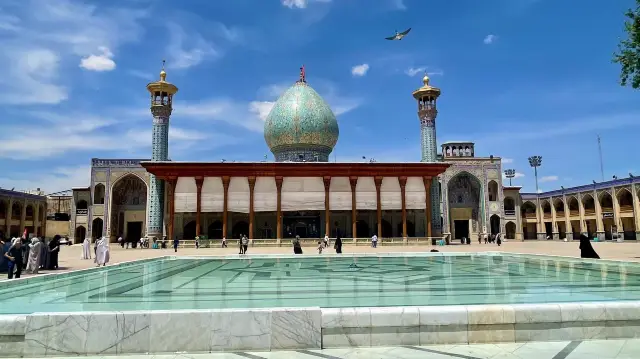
<point>58,227</point>
<point>484,170</point>
<point>15,225</point>
<point>105,173</point>
<point>566,213</point>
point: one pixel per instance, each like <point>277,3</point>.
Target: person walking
<point>338,245</point>
<point>245,244</point>
<point>14,255</point>
<point>176,242</point>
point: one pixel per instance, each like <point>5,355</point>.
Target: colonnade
<point>199,180</point>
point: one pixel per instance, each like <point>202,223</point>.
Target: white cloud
<point>187,50</point>
<point>490,39</point>
<point>399,4</point>
<point>518,175</point>
<point>59,179</point>
<point>261,108</point>
<point>300,4</point>
<point>102,62</point>
<point>413,71</point>
<point>42,35</point>
<point>507,160</point>
<point>548,179</point>
<point>360,70</point>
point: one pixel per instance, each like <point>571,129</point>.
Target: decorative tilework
<point>107,194</point>
<point>301,123</point>
<point>159,152</point>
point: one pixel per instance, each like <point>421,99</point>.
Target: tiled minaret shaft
<point>161,107</point>
<point>427,97</point>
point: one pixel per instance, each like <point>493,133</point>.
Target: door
<point>461,229</point>
<point>134,231</point>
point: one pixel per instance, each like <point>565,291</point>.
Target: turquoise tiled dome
<point>301,126</point>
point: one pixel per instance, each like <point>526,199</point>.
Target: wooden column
<point>225,186</point>
<point>279,208</point>
<point>252,185</point>
<point>199,181</point>
<point>354,215</point>
<point>403,185</point>
<point>171,184</point>
<point>427,210</point>
<point>378,181</point>
<point>327,211</point>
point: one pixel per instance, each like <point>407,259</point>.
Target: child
<point>320,246</point>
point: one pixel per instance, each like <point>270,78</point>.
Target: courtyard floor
<point>594,349</point>
<point>69,258</point>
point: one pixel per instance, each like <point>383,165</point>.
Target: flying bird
<point>398,35</point>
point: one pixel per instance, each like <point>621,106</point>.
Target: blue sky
<point>518,77</point>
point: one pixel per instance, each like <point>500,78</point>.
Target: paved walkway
<point>69,258</point>
<point>596,349</point>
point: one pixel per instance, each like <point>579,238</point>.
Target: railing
<point>574,212</point>
<point>589,212</point>
<point>626,209</point>
<point>530,216</point>
<point>82,212</point>
<point>560,214</point>
<point>547,216</point>
<point>509,212</point>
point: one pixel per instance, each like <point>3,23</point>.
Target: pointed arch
<point>493,190</point>
<point>98,194</point>
<point>546,208</point>
<point>29,212</point>
<point>606,201</point>
<point>528,209</point>
<point>16,211</point>
<point>510,229</point>
<point>625,200</point>
<point>509,205</point>
<point>558,205</point>
<point>3,209</point>
<point>574,206</point>
<point>129,193</point>
<point>589,204</point>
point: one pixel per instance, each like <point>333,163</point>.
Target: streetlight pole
<point>510,173</point>
<point>535,162</point>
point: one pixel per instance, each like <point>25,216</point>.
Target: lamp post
<point>510,173</point>
<point>535,162</point>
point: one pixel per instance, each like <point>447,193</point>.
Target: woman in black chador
<point>338,244</point>
<point>54,249</point>
<point>586,249</point>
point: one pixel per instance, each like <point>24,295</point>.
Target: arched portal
<point>98,194</point>
<point>80,234</point>
<point>16,211</point>
<point>128,208</point>
<point>189,231</point>
<point>29,213</point>
<point>509,206</point>
<point>606,204</point>
<point>495,224</point>
<point>511,230</point>
<point>96,228</point>
<point>493,190</point>
<point>214,231</point>
<point>465,214</point>
<point>625,202</point>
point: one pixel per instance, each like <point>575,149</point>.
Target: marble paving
<point>594,349</point>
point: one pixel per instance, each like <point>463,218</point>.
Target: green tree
<point>628,55</point>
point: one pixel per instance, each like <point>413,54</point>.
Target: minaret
<point>161,106</point>
<point>427,97</point>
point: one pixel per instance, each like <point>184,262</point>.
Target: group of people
<point>29,253</point>
<point>100,250</point>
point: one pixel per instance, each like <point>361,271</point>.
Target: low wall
<point>102,333</point>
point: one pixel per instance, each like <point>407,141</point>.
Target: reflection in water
<point>326,282</point>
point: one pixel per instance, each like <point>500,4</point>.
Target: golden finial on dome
<point>425,79</point>
<point>163,74</point>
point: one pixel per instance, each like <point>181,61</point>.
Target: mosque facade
<point>451,193</point>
